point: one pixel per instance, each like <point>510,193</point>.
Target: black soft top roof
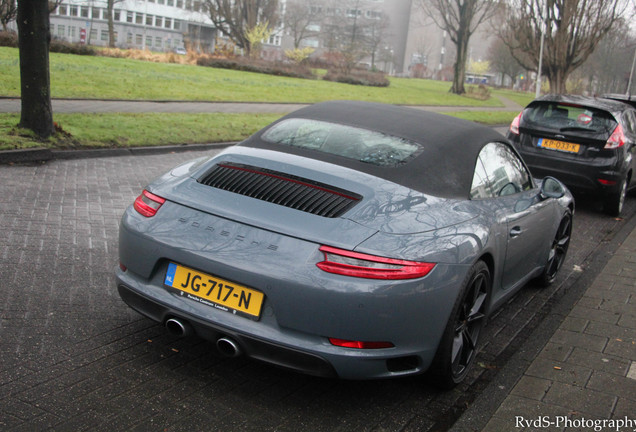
<point>450,146</point>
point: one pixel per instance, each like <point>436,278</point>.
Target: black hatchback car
<point>587,143</point>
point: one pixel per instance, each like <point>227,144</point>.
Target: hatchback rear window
<point>569,118</point>
<point>354,143</point>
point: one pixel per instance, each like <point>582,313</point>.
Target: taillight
<point>147,204</point>
<point>514,126</point>
<point>360,344</point>
<point>361,265</point>
<point>617,139</point>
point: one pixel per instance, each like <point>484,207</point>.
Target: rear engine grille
<point>282,189</point>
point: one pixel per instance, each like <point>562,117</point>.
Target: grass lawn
<point>156,129</point>
<point>90,77</point>
<point>134,130</point>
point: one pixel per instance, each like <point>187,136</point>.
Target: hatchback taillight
<point>348,263</point>
<point>514,126</point>
<point>147,203</point>
<point>617,139</point>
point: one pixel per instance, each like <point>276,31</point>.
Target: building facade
<point>157,25</point>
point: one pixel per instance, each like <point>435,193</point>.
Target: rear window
<point>354,143</point>
<point>568,118</point>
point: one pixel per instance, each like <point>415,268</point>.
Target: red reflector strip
<point>359,344</point>
<point>348,263</point>
<point>147,203</point>
<point>606,182</point>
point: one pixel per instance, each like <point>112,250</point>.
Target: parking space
<point>73,356</point>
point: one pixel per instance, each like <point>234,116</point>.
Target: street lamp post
<point>631,75</point>
<point>544,24</point>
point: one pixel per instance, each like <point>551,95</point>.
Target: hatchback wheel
<point>459,344</point>
<point>615,202</point>
<point>558,251</point>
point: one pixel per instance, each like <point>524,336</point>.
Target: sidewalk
<point>8,104</point>
<point>584,378</point>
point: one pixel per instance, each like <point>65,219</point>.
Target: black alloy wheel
<point>460,342</point>
<point>615,202</point>
<point>558,251</point>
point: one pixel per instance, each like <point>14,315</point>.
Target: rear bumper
<point>579,175</point>
<point>268,352</point>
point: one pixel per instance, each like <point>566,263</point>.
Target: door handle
<point>515,232</point>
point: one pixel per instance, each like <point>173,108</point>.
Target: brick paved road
<point>73,357</point>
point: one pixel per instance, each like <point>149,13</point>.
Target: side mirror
<point>552,188</point>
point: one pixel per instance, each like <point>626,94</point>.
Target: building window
<point>74,10</point>
<point>177,25</point>
<point>158,21</point>
<point>148,41</point>
<point>161,1</point>
<point>167,23</point>
<point>96,13</point>
<point>138,39</point>
<point>129,17</point>
<point>71,32</point>
<point>104,35</point>
<point>158,42</point>
<point>61,29</point>
<point>139,18</point>
<point>170,2</point>
<point>84,11</point>
<point>62,9</point>
<point>310,43</point>
<point>149,19</point>
<point>116,15</point>
<point>180,4</point>
<point>93,35</point>
<point>129,38</point>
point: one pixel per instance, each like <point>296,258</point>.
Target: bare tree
<point>8,12</point>
<point>234,18</point>
<point>34,39</point>
<point>607,69</point>
<point>376,33</point>
<point>460,19</point>
<point>573,29</point>
<point>110,10</point>
<point>502,61</point>
<point>298,19</point>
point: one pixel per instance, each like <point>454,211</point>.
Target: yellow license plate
<point>213,291</point>
<point>559,145</point>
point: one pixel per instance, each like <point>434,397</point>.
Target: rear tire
<point>558,251</point>
<point>614,203</point>
<point>460,341</point>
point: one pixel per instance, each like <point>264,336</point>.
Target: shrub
<point>59,46</point>
<point>8,39</point>
<point>359,77</point>
<point>259,66</point>
<point>480,92</point>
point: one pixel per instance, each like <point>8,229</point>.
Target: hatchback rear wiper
<point>577,128</point>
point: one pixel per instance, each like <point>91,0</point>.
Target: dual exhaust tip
<point>226,346</point>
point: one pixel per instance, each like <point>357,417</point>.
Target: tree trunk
<point>111,25</point>
<point>459,68</point>
<point>34,38</point>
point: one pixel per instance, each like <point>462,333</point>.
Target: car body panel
<point>275,249</point>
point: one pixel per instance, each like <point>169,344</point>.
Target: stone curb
<point>40,155</point>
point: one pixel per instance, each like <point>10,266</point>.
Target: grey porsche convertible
<point>347,239</point>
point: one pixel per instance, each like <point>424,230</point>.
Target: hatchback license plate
<point>215,292</point>
<point>559,145</point>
